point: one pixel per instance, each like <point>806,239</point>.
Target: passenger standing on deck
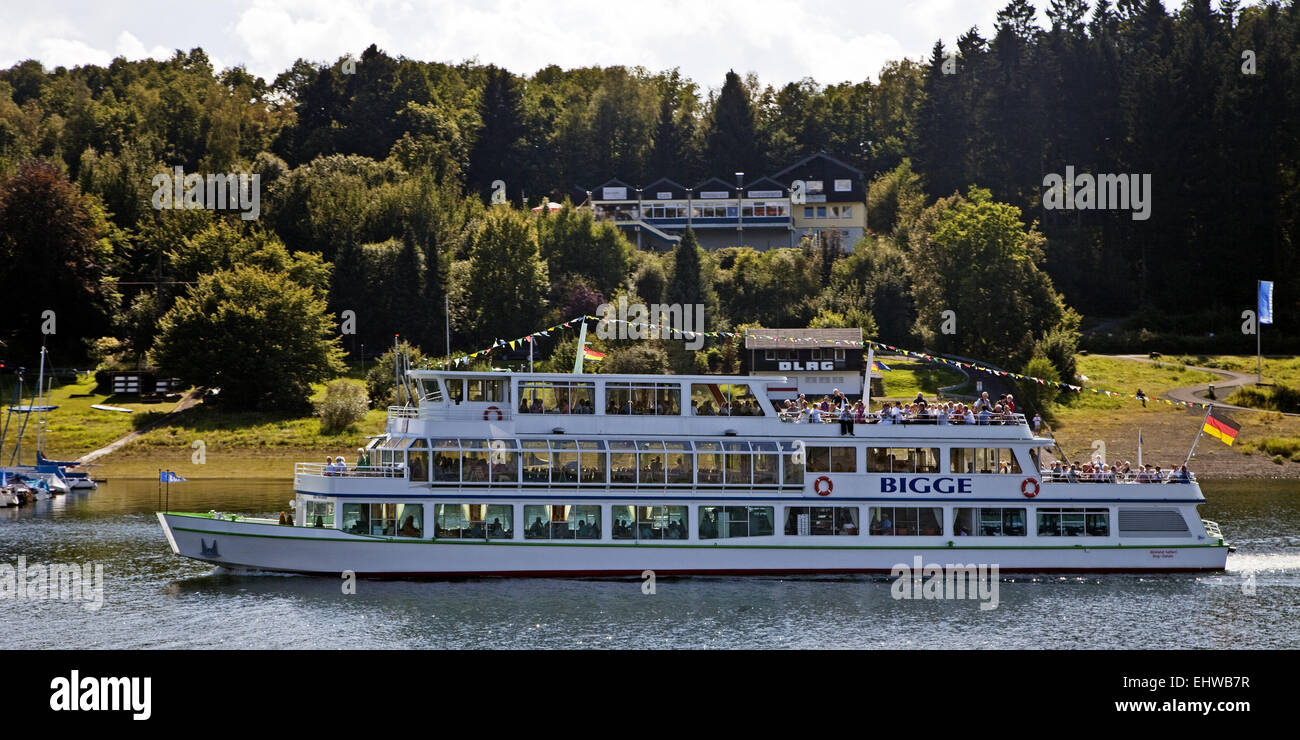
<point>1038,423</point>
<point>846,419</point>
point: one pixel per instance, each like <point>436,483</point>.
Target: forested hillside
<point>375,174</point>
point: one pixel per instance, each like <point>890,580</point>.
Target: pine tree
<point>732,142</point>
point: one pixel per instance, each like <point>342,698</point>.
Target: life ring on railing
<point>817,486</point>
<point>489,410</point>
<point>1029,487</point>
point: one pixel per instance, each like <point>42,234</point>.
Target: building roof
<point>763,338</point>
<point>674,190</point>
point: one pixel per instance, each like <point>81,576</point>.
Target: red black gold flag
<point>1221,427</point>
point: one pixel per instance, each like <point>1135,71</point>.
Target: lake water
<point>154,599</point>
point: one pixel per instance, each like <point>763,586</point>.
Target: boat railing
<point>875,417</point>
<point>365,471</point>
<point>1212,528</point>
<point>477,412</point>
<point>1050,477</point>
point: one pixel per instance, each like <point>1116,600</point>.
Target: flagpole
<point>1201,430</point>
<point>1259,329</point>
<point>1139,449</point>
<point>866,392</point>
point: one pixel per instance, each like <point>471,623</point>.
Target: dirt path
<point>1231,380</point>
<point>188,401</point>
<point>1167,432</point>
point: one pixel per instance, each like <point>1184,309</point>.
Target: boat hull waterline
<point>268,547</point>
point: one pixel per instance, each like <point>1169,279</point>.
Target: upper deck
<point>459,404</point>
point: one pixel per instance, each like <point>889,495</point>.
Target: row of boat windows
<point>579,397</point>
<point>643,523</point>
<point>656,462</point>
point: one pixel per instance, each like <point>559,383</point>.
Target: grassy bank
<point>906,378</point>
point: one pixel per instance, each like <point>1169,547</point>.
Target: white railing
<point>832,417</point>
<point>491,412</point>
<point>1050,477</point>
<point>368,471</point>
<point>1212,528</point>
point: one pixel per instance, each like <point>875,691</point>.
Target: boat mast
<point>582,344</point>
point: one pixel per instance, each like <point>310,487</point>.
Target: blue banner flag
<point>170,477</point>
<point>1265,302</point>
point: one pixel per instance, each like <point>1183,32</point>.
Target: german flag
<point>590,354</point>
<point>1221,427</point>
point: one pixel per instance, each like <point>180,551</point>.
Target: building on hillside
<point>765,214</point>
<point>815,361</point>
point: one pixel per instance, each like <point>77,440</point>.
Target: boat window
<point>592,460</point>
<point>474,521</point>
<point>819,459</point>
<point>982,460</point>
<point>474,458</point>
<point>708,463</point>
<point>989,522</point>
<point>418,463</point>
<point>446,461</point>
<point>724,399</point>
<point>902,460</point>
<point>562,522</point>
<point>356,518</point>
<point>791,472</point>
<point>430,390</point>
<point>832,459</point>
<point>557,397</point>
<point>739,464</point>
<point>319,514</point>
<point>1073,522</point>
<point>397,520</point>
<point>564,461</point>
<point>662,523</point>
<point>766,465</point>
<point>536,461</point>
<point>622,461</point>
<point>503,461</point>
<point>723,522</point>
<point>455,389</point>
<point>655,399</point>
<point>805,521</point>
<point>679,463</point>
<point>906,521</point>
<point>650,462</point>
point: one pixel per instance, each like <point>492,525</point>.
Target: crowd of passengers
<point>1096,472</point>
<point>838,408</point>
<point>581,406</point>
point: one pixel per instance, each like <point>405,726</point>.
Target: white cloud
<point>831,41</point>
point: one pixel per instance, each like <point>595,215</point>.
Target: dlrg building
<point>760,214</point>
<point>814,361</point>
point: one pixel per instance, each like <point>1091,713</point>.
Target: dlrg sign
<point>809,365</point>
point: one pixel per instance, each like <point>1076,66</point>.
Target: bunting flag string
<point>465,359</point>
<point>1029,378</point>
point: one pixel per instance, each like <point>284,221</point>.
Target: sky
<point>780,40</point>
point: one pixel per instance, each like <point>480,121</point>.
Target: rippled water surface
<point>153,598</point>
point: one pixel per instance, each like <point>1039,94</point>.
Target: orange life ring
<point>817,486</point>
<point>1027,484</point>
<point>489,410</point>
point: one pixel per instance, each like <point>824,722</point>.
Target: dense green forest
<point>375,174</point>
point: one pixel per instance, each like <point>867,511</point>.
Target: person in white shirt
<point>814,415</point>
<point>1038,422</point>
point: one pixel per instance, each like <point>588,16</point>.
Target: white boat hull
<point>262,546</point>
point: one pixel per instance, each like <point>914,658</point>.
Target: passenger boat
<point>532,474</point>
